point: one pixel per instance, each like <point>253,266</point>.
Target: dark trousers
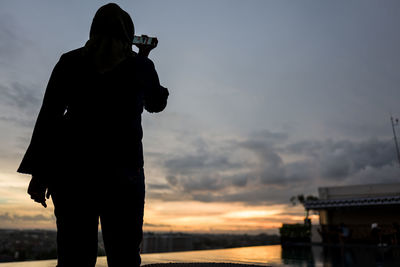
<point>118,200</point>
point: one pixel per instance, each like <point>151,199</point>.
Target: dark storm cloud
<point>341,159</point>
<point>193,163</point>
<point>266,169</point>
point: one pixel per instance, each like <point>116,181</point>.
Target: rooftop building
<point>360,209</point>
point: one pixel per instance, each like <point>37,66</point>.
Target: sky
<point>268,99</point>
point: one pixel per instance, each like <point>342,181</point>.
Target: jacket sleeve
<point>40,153</point>
<point>155,95</point>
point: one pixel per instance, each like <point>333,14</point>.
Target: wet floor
<point>307,256</point>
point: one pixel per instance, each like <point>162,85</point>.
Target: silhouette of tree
<point>302,200</point>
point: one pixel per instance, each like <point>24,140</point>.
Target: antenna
<point>395,123</point>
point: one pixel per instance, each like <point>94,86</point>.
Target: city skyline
<point>268,99</point>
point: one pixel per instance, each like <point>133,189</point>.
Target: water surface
<point>308,256</point>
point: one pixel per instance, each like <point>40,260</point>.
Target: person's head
<point>111,21</point>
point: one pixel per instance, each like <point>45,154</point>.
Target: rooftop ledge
<point>352,202</point>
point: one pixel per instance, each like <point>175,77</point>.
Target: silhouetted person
<point>344,233</point>
<point>395,233</point>
<point>86,147</point>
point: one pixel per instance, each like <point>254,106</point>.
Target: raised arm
<point>155,95</point>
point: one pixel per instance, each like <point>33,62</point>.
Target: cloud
<point>153,186</point>
<point>19,105</point>
<point>156,225</point>
<point>21,101</point>
<point>19,96</point>
<point>11,43</point>
<point>25,218</point>
<point>266,168</point>
<point>343,159</point>
<point>200,161</point>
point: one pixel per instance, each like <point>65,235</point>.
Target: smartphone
<point>145,40</point>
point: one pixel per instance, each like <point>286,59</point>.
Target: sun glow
<point>192,216</point>
<point>252,213</point>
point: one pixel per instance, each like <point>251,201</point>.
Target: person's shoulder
<point>73,55</point>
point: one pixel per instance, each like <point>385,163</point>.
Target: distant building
<point>358,213</point>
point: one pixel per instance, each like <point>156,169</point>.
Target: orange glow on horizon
<point>19,211</point>
<point>192,216</point>
<point>189,216</point>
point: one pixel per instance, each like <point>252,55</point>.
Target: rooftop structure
<point>367,212</point>
<point>356,196</point>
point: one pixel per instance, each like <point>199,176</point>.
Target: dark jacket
<point>91,122</point>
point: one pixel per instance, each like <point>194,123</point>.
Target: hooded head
<point>111,21</point>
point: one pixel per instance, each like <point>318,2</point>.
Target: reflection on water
<point>299,256</point>
<point>262,255</point>
<point>294,256</point>
<point>338,256</point>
